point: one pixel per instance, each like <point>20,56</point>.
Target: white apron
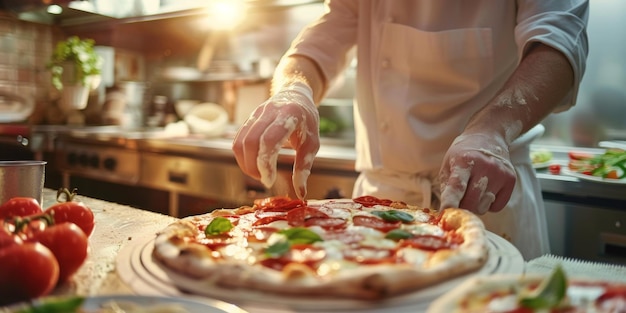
<point>421,97</point>
<point>522,221</point>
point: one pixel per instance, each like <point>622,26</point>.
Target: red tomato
<point>6,238</point>
<point>68,243</point>
<point>29,270</point>
<point>19,206</point>
<point>73,212</point>
<point>554,169</point>
<point>578,155</point>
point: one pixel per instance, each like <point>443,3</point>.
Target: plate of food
<point>608,167</point>
<point>122,303</point>
<point>553,292</point>
<point>541,158</point>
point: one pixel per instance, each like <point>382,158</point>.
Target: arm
<point>477,173</point>
<point>296,68</point>
<point>541,81</point>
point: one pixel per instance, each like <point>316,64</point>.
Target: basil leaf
<point>549,293</point>
<point>218,226</point>
<point>278,249</point>
<point>300,235</point>
<point>394,216</point>
<point>397,234</point>
<point>65,305</point>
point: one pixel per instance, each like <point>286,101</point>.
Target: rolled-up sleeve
<point>560,24</point>
<point>328,39</point>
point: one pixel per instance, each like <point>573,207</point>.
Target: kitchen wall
<point>24,50</point>
<point>264,35</point>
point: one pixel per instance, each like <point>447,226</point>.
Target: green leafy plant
<point>81,54</point>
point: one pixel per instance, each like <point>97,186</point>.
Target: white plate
<point>542,164</point>
<point>581,176</point>
<point>93,304</point>
<point>136,266</point>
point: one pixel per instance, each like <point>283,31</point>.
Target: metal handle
<point>177,177</point>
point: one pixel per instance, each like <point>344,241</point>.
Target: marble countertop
<point>116,226</point>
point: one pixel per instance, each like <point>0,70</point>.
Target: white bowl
<point>208,119</point>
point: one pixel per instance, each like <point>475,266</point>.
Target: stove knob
<point>109,164</point>
<point>83,159</point>
<point>72,158</point>
<point>94,161</point>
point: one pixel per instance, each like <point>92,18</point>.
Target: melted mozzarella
<point>413,256</point>
<point>421,216</point>
<point>333,248</point>
<point>424,229</point>
<point>279,224</point>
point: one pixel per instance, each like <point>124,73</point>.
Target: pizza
<point>554,293</point>
<point>361,248</point>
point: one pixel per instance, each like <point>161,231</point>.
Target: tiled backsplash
<point>25,48</point>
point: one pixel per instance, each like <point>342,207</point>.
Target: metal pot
<point>22,179</point>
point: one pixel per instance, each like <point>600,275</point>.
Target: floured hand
<point>290,116</point>
<point>477,174</point>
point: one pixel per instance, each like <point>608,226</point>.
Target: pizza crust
<point>192,267</point>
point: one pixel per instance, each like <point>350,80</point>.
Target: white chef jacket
<point>424,68</point>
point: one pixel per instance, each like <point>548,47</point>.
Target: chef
<point>449,94</point>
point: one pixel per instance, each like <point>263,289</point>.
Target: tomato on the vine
<point>72,211</point>
<point>29,270</point>
<point>19,206</point>
<point>68,243</point>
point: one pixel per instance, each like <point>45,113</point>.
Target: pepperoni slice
<point>299,253</point>
<point>329,223</point>
<point>427,242</point>
<point>298,216</point>
<point>370,201</point>
<point>268,219</point>
<point>278,203</point>
<point>346,237</point>
<point>375,222</point>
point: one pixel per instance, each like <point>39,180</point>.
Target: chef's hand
<point>477,174</point>
<point>289,116</point>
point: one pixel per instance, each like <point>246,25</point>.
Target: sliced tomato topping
<point>427,242</point>
<point>280,204</point>
<point>611,293</point>
<point>579,155</point>
<point>330,223</point>
<point>298,216</point>
<point>375,222</point>
<point>370,201</point>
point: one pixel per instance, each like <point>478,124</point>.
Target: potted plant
<point>75,67</point>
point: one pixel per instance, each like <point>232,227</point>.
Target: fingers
<point>246,142</point>
<point>484,184</point>
<point>259,141</point>
<point>305,154</point>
